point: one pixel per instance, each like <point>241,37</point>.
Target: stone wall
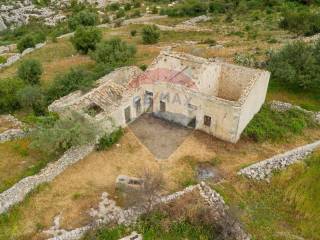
<point>12,134</point>
<point>16,57</point>
<point>107,212</point>
<point>283,106</point>
<point>263,170</point>
<point>18,192</point>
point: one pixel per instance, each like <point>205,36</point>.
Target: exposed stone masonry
<point>107,212</point>
<point>13,133</point>
<point>263,170</point>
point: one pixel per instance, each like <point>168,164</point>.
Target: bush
<point>276,126</point>
<point>150,34</point>
<point>120,14</point>
<point>30,71</point>
<point>83,18</point>
<point>190,8</point>
<point>59,136</point>
<point>8,94</point>
<point>3,59</point>
<point>106,141</point>
<point>32,97</point>
<point>75,79</point>
<point>114,52</point>
<point>133,33</point>
<point>86,38</point>
<point>301,22</point>
<point>297,73</point>
<point>26,42</point>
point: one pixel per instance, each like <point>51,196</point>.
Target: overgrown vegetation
<point>114,52</point>
<point>292,197</point>
<point>54,136</point>
<point>150,34</point>
<point>9,89</point>
<point>86,38</point>
<point>186,219</point>
<point>107,140</point>
<point>297,73</point>
<point>277,126</point>
<point>30,71</point>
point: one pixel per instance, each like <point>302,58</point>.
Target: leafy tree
<point>8,94</point>
<point>55,137</point>
<point>150,34</point>
<point>32,97</point>
<point>86,38</point>
<point>114,52</point>
<point>26,42</point>
<point>30,71</point>
<point>85,17</point>
<point>75,79</point>
<point>297,66</point>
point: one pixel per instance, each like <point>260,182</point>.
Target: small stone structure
<point>215,97</point>
<point>263,170</point>
<point>18,192</point>
<point>107,212</point>
<point>124,181</point>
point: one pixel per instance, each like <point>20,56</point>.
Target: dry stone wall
<point>16,57</point>
<point>263,170</point>
<point>283,106</point>
<point>107,212</point>
<point>18,192</point>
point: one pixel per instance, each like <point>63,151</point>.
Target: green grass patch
<point>288,206</point>
<point>278,126</point>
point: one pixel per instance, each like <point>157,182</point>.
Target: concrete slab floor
<point>161,137</point>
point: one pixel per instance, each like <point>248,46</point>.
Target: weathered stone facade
<point>263,170</point>
<point>214,97</point>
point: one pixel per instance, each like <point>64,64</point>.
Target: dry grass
<point>17,160</point>
<point>55,57</point>
<point>80,186</point>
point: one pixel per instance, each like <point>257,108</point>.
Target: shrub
<point>75,79</point>
<point>120,14</point>
<point>32,97</point>
<point>150,34</point>
<point>86,38</point>
<point>30,71</point>
<point>83,18</point>
<point>275,126</point>
<point>136,13</point>
<point>8,94</point>
<point>26,42</point>
<point>114,52</point>
<point>190,8</point>
<point>143,67</point>
<point>297,73</point>
<point>59,136</point>
<point>108,140</point>
<point>133,33</point>
<point>114,6</point>
<point>3,59</point>
<point>301,22</point>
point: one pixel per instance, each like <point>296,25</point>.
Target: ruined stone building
<point>215,97</point>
